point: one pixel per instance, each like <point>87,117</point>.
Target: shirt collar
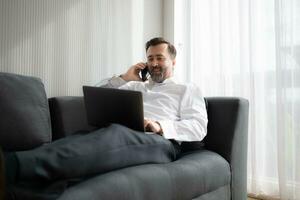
<point>166,81</point>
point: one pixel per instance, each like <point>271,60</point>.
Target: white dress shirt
<point>178,108</point>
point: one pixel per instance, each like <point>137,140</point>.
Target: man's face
<point>160,63</point>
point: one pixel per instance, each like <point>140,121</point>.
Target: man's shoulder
<point>190,88</point>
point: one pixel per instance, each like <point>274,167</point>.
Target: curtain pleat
<point>251,49</point>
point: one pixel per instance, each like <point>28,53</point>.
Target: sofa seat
<point>195,175</point>
<point>187,178</point>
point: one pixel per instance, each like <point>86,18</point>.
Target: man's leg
<point>100,151</point>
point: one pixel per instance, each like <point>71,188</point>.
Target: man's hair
<point>160,40</point>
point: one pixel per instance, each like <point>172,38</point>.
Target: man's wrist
<point>124,77</point>
<point>160,132</point>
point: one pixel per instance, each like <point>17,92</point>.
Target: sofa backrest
<point>24,113</point>
<point>68,116</point>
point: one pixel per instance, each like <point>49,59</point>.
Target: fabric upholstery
<point>216,173</point>
<point>222,193</point>
<point>227,135</point>
<point>68,116</point>
<point>190,176</point>
<point>25,118</point>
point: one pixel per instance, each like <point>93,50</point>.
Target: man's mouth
<point>156,70</point>
<point>157,74</point>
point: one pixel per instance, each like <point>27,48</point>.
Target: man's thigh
<point>97,152</point>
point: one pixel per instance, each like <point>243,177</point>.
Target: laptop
<point>108,105</point>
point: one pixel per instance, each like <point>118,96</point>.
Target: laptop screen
<point>109,105</point>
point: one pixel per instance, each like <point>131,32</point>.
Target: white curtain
<point>251,49</point>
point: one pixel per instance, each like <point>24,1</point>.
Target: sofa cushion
<point>25,118</point>
<point>191,176</point>
<point>196,175</point>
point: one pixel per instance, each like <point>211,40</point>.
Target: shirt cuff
<point>168,128</point>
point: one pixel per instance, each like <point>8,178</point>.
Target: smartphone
<point>145,73</point>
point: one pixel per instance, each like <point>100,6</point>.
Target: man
<point>174,112</point>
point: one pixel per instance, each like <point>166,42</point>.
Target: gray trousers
<point>85,155</point>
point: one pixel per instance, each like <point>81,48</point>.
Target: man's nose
<point>154,64</point>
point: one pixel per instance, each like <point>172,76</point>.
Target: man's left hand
<point>152,126</point>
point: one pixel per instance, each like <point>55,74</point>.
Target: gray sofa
<point>215,171</point>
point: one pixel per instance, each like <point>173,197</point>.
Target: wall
<point>71,43</point>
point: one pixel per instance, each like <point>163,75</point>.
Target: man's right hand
<point>132,73</point>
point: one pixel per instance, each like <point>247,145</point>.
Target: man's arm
<point>192,125</point>
<point>114,82</point>
<point>132,74</point>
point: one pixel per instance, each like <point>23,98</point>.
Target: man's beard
<point>158,77</point>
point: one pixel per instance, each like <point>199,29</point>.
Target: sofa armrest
<point>228,135</point>
<point>68,116</point>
